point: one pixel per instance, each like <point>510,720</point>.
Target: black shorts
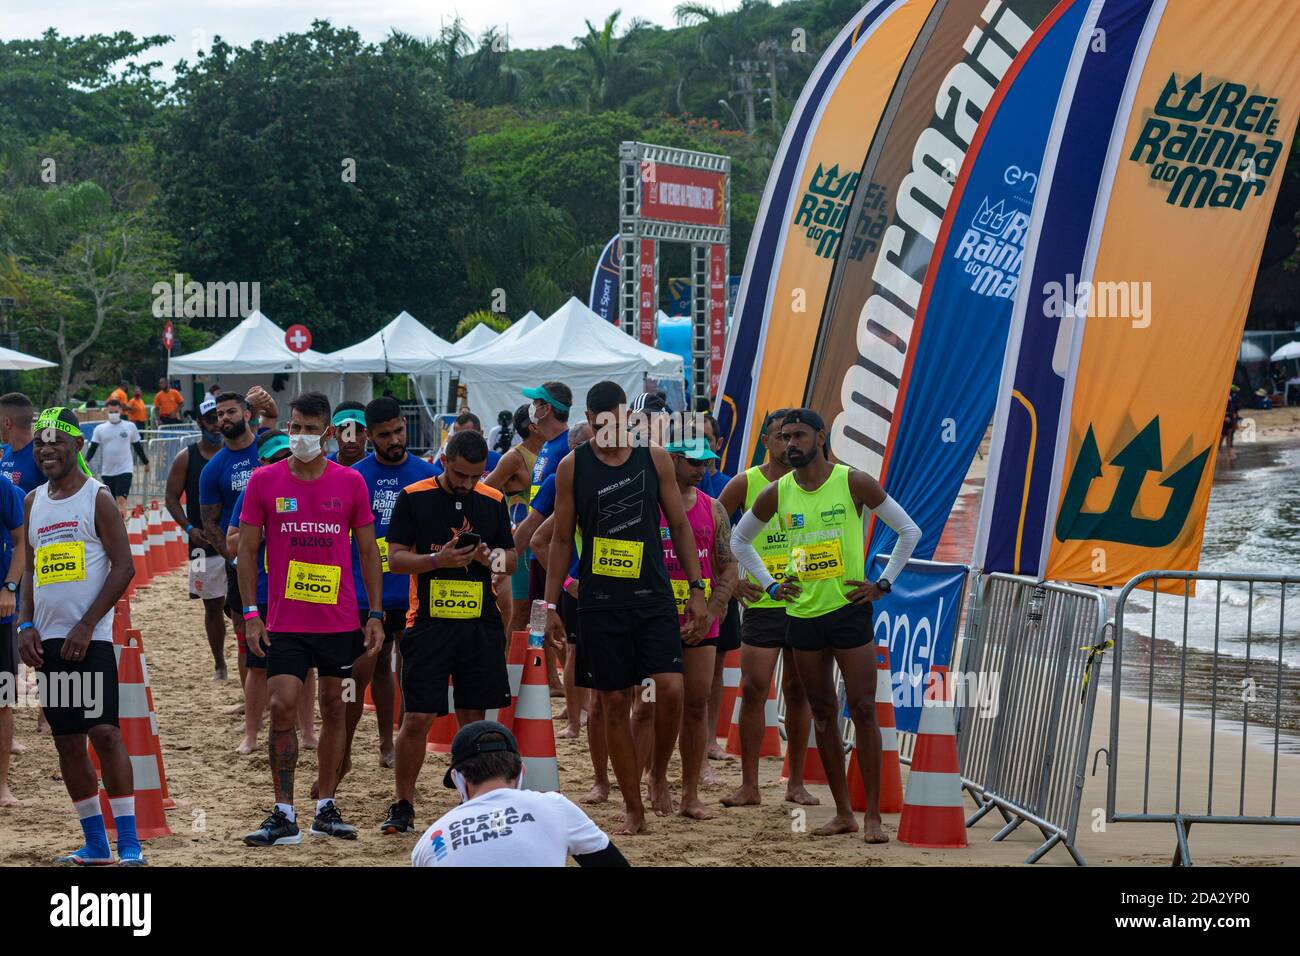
<point>764,627</point>
<point>252,660</point>
<point>844,628</point>
<point>621,647</point>
<point>235,603</point>
<point>394,623</point>
<point>79,704</point>
<point>8,656</point>
<point>119,486</point>
<point>729,628</point>
<point>569,615</point>
<point>468,653</point>
<point>295,653</point>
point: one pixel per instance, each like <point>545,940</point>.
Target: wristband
<point>568,581</point>
<point>771,588</point>
<point>25,625</point>
<point>189,528</point>
<point>250,615</point>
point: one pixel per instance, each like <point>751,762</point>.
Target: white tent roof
<point>574,346</point>
<point>254,346</point>
<point>12,361</point>
<point>476,338</point>
<point>403,346</point>
<point>517,330</point>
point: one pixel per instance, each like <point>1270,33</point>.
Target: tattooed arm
<point>725,568</point>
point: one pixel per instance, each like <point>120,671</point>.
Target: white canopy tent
<point>518,329</point>
<point>475,338</point>
<point>574,346</point>
<point>402,347</point>
<point>12,361</point>
<point>254,353</point>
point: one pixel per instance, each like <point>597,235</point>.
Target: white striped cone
<point>139,556</point>
<point>167,801</point>
<point>533,728</point>
<point>933,813</point>
<point>154,542</point>
<point>730,692</point>
<point>137,737</point>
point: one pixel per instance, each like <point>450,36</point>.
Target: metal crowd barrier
<point>1038,641</point>
<point>1250,695</point>
<point>161,446</point>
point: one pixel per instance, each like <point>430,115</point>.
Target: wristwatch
<point>376,615</point>
<point>884,585</point>
<point>11,587</point>
<point>697,585</point>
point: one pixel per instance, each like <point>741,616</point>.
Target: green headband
<point>273,446</point>
<point>50,419</point>
<point>357,415</point>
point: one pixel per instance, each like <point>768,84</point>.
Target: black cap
<point>804,416</point>
<point>650,402</point>
<point>468,743</point>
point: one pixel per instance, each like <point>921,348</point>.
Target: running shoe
<point>131,858</point>
<point>329,822</point>
<point>82,857</point>
<point>276,830</point>
<point>401,818</point>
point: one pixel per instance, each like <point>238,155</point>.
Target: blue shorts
<point>519,580</point>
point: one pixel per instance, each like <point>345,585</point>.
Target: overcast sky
<point>192,23</point>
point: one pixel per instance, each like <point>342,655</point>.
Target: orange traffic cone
<point>771,742</point>
<point>891,780</point>
<point>176,548</point>
<point>933,814</point>
<point>121,620</point>
<point>133,718</point>
<point>730,692</point>
<point>814,771</point>
<point>533,728</point>
<point>139,557</point>
<point>443,729</point>
<point>515,668</point>
<point>167,801</point>
<point>157,555</point>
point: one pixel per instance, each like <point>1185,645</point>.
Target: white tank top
<point>71,564</point>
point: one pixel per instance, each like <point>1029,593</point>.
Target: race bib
<point>818,561</point>
<point>682,593</point>
<point>383,554</point>
<point>616,558</point>
<point>314,583</point>
<point>458,600</point>
<point>776,566</point>
<point>58,563</point>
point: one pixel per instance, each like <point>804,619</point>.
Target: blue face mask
<point>212,438</point>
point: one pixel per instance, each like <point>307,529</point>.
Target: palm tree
<point>611,62</point>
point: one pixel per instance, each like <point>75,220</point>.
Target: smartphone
<point>469,540</point>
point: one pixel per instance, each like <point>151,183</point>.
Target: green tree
<point>493,320</point>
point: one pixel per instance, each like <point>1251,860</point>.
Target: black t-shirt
<point>426,519</point>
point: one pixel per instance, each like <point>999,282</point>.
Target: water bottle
<point>537,624</point>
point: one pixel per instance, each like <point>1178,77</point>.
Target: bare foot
<point>717,753</point>
<point>837,824</point>
<point>246,747</point>
<point>234,710</point>
<point>746,796</point>
<point>42,725</point>
<point>708,778</point>
<point>17,747</point>
<point>310,742</point>
<point>219,674</point>
<point>7,799</point>
<point>633,822</point>
<point>800,795</point>
<point>599,794</point>
<point>873,832</point>
<point>661,798</point>
<point>569,732</point>
<point>695,810</point>
<point>386,756</point>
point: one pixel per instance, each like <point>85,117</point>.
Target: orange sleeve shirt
<point>168,403</point>
<point>135,411</point>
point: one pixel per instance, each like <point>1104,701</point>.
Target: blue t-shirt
<point>385,483</point>
<point>549,458</point>
<point>544,504</point>
<point>224,477</point>
<point>713,484</point>
<point>262,586</point>
<point>20,467</point>
<point>492,459</point>
<point>11,519</point>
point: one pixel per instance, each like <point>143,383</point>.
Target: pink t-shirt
<point>307,527</point>
<point>704,529</point>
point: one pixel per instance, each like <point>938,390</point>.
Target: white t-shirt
<point>115,443</point>
<point>510,828</point>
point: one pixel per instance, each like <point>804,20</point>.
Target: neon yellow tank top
<point>824,537</point>
<point>770,545</point>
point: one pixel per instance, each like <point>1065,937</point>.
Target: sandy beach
<point>220,795</point>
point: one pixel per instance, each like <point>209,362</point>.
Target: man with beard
<point>823,508</point>
<point>78,567</point>
<point>386,472</point>
<point>207,573</point>
<point>307,508</point>
<point>449,533</point>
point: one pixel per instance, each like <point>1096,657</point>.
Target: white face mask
<point>532,413</point>
<point>114,417</point>
<point>305,447</point>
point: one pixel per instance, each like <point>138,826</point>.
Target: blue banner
<point>946,396</point>
<point>918,622</point>
<point>603,299</point>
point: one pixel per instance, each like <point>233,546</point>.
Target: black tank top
<point>617,509</point>
<point>194,463</point>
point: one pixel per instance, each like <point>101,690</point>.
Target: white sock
<point>287,809</point>
<point>87,808</point>
<point>122,806</point>
<point>323,803</point>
